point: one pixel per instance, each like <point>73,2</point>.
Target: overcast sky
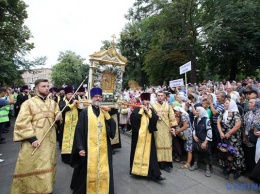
<point>78,25</point>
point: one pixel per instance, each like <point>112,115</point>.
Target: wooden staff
<point>161,119</point>
<point>59,113</point>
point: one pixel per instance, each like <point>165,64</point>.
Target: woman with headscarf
<point>180,99</point>
<point>202,137</point>
<point>249,139</point>
<point>185,127</point>
<point>255,174</point>
<point>229,124</point>
<point>175,103</point>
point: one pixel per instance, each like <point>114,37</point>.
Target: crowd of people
<point>216,121</point>
<point>199,123</point>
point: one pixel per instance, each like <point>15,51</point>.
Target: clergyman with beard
<point>36,173</point>
<point>91,155</point>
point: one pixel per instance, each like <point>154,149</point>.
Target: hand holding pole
<point>57,117</point>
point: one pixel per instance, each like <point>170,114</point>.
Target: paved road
<point>179,181</point>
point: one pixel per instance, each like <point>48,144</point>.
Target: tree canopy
<point>14,42</point>
<point>70,69</point>
<point>233,39</point>
<point>220,38</point>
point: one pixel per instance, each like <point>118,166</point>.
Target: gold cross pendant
<point>100,126</point>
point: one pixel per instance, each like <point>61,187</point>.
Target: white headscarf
<point>232,108</point>
<point>234,97</point>
<point>203,112</point>
<point>180,109</point>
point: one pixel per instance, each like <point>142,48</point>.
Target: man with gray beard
<point>91,155</point>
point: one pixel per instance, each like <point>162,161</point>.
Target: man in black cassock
<point>67,128</point>
<point>21,98</point>
<point>116,142</point>
<point>143,157</point>
<point>91,155</point>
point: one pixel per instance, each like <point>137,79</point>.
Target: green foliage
<point>11,70</point>
<point>167,49</point>
<point>106,45</point>
<point>133,47</point>
<point>233,40</point>
<point>14,45</point>
<point>143,9</point>
<point>167,34</point>
<point>70,69</point>
<point>220,38</point>
<point>8,72</point>
<point>14,34</point>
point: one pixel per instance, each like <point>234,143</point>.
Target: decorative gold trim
<point>33,173</point>
<point>143,149</point>
<point>97,165</point>
<point>110,55</point>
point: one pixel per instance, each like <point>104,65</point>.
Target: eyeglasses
<point>97,96</point>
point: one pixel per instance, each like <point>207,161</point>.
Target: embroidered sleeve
<point>107,116</point>
<point>23,128</point>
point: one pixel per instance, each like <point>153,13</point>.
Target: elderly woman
<point>202,137</point>
<point>179,99</point>
<point>249,139</point>
<point>184,128</point>
<point>175,103</point>
<point>229,124</point>
<point>255,126</point>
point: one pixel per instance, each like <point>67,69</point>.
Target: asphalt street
<point>178,181</point>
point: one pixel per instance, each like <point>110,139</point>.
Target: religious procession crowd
<point>200,123</point>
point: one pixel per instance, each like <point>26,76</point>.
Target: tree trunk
<point>192,58</point>
<point>193,74</point>
<point>143,78</point>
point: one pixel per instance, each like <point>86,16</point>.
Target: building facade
<point>41,73</point>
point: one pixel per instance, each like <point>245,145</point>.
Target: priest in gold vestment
<point>70,116</point>
<point>143,156</point>
<point>36,173</point>
<point>163,136</point>
<point>91,155</point>
<point>81,94</point>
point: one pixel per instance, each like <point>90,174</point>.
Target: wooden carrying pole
<point>59,113</point>
<point>105,108</point>
<point>132,105</point>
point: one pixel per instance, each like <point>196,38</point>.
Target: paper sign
<point>177,82</point>
<point>185,68</point>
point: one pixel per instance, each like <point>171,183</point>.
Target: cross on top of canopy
<point>109,56</point>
